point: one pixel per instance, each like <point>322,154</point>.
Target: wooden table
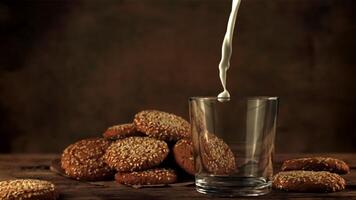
<point>37,166</point>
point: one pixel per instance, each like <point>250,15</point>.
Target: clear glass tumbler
<point>233,144</point>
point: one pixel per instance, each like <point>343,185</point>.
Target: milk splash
<point>226,49</point>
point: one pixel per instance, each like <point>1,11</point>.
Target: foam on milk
<point>226,49</point>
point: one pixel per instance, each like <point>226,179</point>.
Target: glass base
<point>226,186</point>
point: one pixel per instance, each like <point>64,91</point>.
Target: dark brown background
<point>69,69</point>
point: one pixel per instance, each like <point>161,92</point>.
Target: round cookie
<point>316,164</point>
<point>147,177</point>
<point>121,131</point>
<point>162,125</point>
<point>83,160</point>
<point>308,181</point>
<point>136,153</point>
<point>217,156</point>
<point>183,155</point>
<point>27,189</point>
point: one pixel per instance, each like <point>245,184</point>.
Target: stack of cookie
<point>146,152</point>
<point>318,174</point>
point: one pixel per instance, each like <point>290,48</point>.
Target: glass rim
<point>212,98</point>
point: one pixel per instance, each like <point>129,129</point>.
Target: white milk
<point>227,48</point>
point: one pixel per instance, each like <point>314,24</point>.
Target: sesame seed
<point>26,188</point>
<point>136,153</point>
<point>316,164</point>
<point>162,125</point>
<point>217,155</point>
<point>121,131</point>
<point>147,177</point>
<point>83,160</point>
<point>322,181</point>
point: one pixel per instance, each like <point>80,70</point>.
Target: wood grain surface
<point>37,166</point>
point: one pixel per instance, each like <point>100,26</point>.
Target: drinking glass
<point>233,144</point>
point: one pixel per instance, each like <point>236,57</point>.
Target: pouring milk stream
<point>227,49</point>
